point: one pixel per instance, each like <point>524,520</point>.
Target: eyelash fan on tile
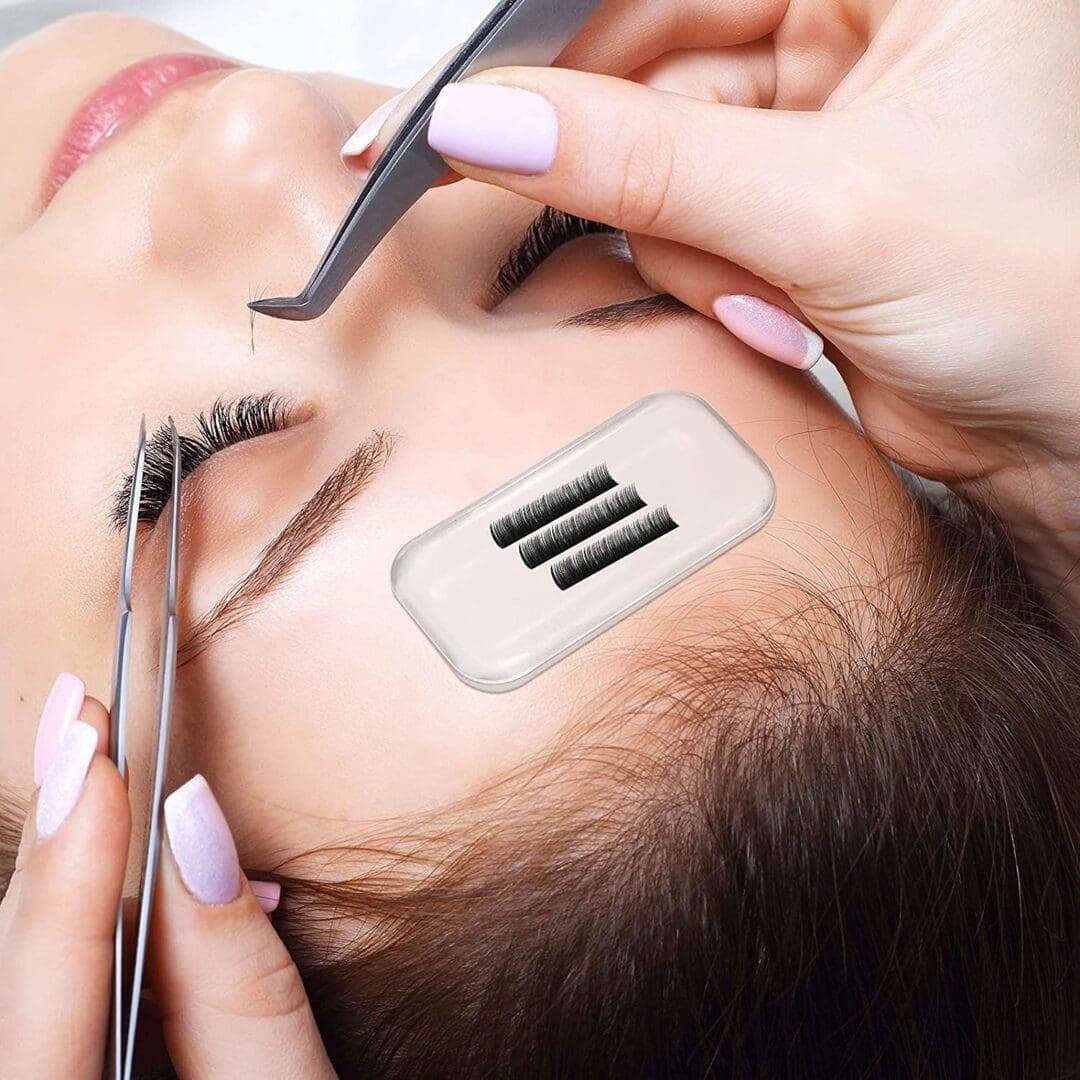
<point>516,582</point>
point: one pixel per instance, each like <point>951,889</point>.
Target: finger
<point>625,34</point>
<point>232,1002</point>
<point>56,947</point>
<point>760,187</point>
<point>619,38</point>
<point>364,147</point>
<point>757,313</point>
<point>741,75</point>
<point>66,702</point>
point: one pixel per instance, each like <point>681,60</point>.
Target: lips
<point>127,94</point>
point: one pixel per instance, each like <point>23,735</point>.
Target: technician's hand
<point>904,177</point>
<point>232,1002</point>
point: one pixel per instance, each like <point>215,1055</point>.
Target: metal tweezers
<point>529,32</point>
<point>125,1023</point>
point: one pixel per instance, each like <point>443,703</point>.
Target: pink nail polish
<point>61,710</point>
<point>360,141</point>
<point>495,127</point>
<point>65,778</point>
<point>770,330</point>
<point>202,843</point>
<point>268,893</point>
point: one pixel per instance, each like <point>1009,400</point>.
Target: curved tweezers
<point>529,32</point>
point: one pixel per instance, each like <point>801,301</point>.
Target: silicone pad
<point>520,579</point>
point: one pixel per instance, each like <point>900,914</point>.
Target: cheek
<point>329,710</point>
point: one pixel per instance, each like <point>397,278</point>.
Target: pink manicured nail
<point>360,141</point>
<point>202,844</point>
<point>61,710</point>
<point>65,777</point>
<point>770,330</point>
<point>268,893</point>
<point>495,127</point>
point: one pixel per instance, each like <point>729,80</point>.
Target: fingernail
<point>360,141</point>
<point>268,893</point>
<point>770,330</point>
<point>65,777</point>
<point>495,127</point>
<point>62,708</point>
<point>202,843</point>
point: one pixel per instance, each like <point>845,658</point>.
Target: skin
<point>326,716</point>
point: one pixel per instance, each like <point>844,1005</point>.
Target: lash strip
<point>610,549</point>
<point>581,526</point>
<point>550,507</point>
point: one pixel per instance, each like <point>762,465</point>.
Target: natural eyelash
<point>550,507</point>
<point>227,424</point>
<point>576,529</point>
<point>551,230</point>
<point>610,549</point>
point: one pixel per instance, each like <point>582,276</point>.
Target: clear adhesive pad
<point>515,582</point>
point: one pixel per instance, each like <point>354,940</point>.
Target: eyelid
<point>228,423</point>
<point>551,230</point>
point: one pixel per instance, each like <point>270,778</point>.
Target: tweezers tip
<point>296,308</point>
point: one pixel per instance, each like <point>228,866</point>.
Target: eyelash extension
<point>603,553</point>
<point>552,230</point>
<point>227,424</point>
<point>586,523</point>
<point>552,506</point>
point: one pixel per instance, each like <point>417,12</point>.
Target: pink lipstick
<point>128,93</point>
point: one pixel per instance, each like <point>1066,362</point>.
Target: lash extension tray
<point>533,571</point>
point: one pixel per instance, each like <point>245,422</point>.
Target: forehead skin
<point>327,710</point>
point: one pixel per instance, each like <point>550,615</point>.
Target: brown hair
<point>847,845</point>
<point>844,845</point>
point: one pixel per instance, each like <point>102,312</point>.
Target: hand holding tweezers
<point>125,1022</point>
<point>529,32</point>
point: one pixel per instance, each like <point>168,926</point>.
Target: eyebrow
<point>645,309</point>
<point>284,553</point>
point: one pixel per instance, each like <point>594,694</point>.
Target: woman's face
<point>322,708</point>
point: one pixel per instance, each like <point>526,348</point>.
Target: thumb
<point>231,1000</point>
<point>756,186</point>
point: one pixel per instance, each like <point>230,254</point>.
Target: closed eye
<point>551,230</point>
<point>228,423</point>
<point>554,229</point>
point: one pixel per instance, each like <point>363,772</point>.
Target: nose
<point>257,185</point>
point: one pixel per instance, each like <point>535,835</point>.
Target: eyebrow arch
<point>282,555</point>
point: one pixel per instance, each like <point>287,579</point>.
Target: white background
<point>388,41</point>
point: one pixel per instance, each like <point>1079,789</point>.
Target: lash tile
<point>550,507</point>
<point>581,526</point>
<point>610,549</point>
